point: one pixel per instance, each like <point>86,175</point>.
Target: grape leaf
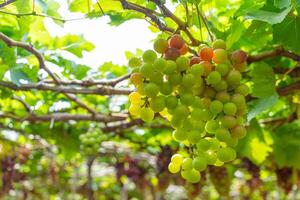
<point>268,16</point>
<point>17,74</point>
<point>82,6</point>
<point>282,3</point>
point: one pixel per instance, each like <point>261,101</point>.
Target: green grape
<point>206,115</point>
<point>229,108</point>
<point>242,110</point>
<point>223,68</point>
<point>173,168</point>
<point>211,126</point>
<point>157,104</point>
<point>221,86</point>
<point>177,159</point>
<point>199,163</point>
<point>135,70</point>
<point>134,110</point>
<point>183,63</point>
<point>228,121</point>
<point>222,134</point>
<point>239,100</point>
<point>160,64</point>
<point>209,92</point>
<point>234,78</point>
<point>170,68</point>
<point>187,99</point>
<point>232,141</point>
<point>242,89</point>
<point>179,135</point>
<point>149,56</point>
<point>141,89</point>
<point>181,111</point>
<point>156,77</point>
<point>211,157</point>
<point>220,56</point>
<point>175,79</point>
<point>136,78</point>
<point>226,154</point>
<point>146,114</point>
<point>171,102</point>
<point>219,44</point>
<point>187,124</point>
<point>197,70</point>
<point>223,96</point>
<point>213,77</point>
<point>214,144</point>
<point>192,176</point>
<point>216,107</point>
<point>240,120</point>
<point>187,164</point>
<point>161,46</point>
<point>134,62</point>
<point>197,102</point>
<point>176,121</point>
<point>241,67</point>
<point>166,88</point>
<point>188,80</point>
<point>239,131</point>
<point>198,125</point>
<point>146,69</point>
<point>194,136</point>
<point>151,90</point>
<point>203,144</point>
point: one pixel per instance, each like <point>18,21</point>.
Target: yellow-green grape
<point>134,62</point>
<point>220,56</point>
<point>198,125</point>
<point>146,69</point>
<point>146,114</point>
<point>216,107</point>
<point>239,131</point>
<point>199,163</point>
<point>160,64</point>
<point>135,98</point>
<point>175,79</point>
<point>226,154</point>
<point>161,46</point>
<point>234,78</point>
<point>228,121</point>
<point>214,144</point>
<point>136,78</point>
<point>187,99</point>
<point>223,96</point>
<point>171,102</point>
<point>141,88</point>
<point>179,134</point>
<point>173,168</point>
<point>239,100</point>
<point>177,159</point>
<point>156,77</point>
<point>211,157</point>
<point>242,89</point>
<point>134,110</point>
<point>194,136</point>
<point>211,126</point>
<point>166,88</point>
<point>176,121</point>
<point>222,134</point>
<point>187,164</point>
<point>223,68</point>
<point>213,77</point>
<point>229,108</point>
<point>188,80</point>
<point>157,104</point>
<point>232,141</point>
<point>149,56</point>
<point>183,63</point>
<point>181,111</point>
<point>219,44</point>
<point>203,144</point>
<point>151,90</point>
<point>170,68</point>
<point>197,70</point>
<point>192,176</point>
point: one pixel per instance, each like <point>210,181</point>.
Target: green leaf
<point>282,3</point>
<point>287,33</point>
<point>17,75</point>
<point>268,16</point>
<point>83,6</point>
<point>260,105</point>
<point>236,30</point>
<point>263,79</point>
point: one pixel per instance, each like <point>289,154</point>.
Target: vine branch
<point>2,5</point>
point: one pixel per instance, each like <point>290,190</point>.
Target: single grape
<point>177,159</point>
<point>187,99</point>
<point>151,90</point>
<point>170,68</point>
<point>176,121</point>
<point>146,114</point>
<point>206,53</point>
<point>173,168</point>
<point>234,78</point>
<point>222,68</point>
<point>187,124</point>
<point>195,60</point>
<point>228,121</point>
<point>223,97</point>
<point>232,141</point>
<point>229,108</point>
<point>181,111</point>
<point>216,107</point>
<point>188,80</point>
<point>166,88</point>
<point>192,176</point>
<point>182,63</point>
<point>149,56</point>
<point>134,98</point>
<point>240,120</point>
<point>157,104</point>
<point>187,164</point>
<point>209,92</point>
<point>206,115</point>
<point>134,62</point>
<point>239,100</point>
<point>219,44</point>
<point>156,77</point>
<point>220,86</point>
<point>241,67</point>
<point>214,144</point>
<point>184,49</point>
<point>171,102</point>
<point>211,126</point>
<point>211,157</point>
<point>203,144</point>
<point>239,131</point>
<point>226,154</point>
<point>160,45</point>
<point>160,64</point>
<point>208,67</point>
<point>136,78</point>
<point>198,125</point>
<point>134,110</point>
<point>179,134</point>
<point>222,134</point>
<point>194,136</point>
<point>175,79</point>
<point>146,69</point>
<point>176,41</point>
<point>220,56</point>
<point>172,53</point>
<point>242,89</point>
<point>213,77</point>
<point>239,56</point>
<point>141,89</point>
<point>199,163</point>
<point>197,70</point>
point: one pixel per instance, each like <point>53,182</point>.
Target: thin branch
<point>284,91</point>
<point>293,72</point>
<point>100,7</point>
<point>26,106</point>
<point>279,121</point>
<point>90,191</point>
<point>63,117</point>
<point>205,23</point>
<point>6,3</point>
<point>12,43</point>
<point>273,53</point>
<point>103,90</point>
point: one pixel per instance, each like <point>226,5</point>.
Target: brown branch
<point>65,117</point>
<point>273,53</point>
<point>6,3</point>
<point>280,121</point>
<point>26,106</point>
<point>12,43</point>
<point>293,72</point>
<point>62,89</point>
<point>284,91</point>
<point>181,25</point>
<point>90,191</point>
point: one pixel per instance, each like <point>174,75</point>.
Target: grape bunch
<point>202,97</point>
<point>90,142</point>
